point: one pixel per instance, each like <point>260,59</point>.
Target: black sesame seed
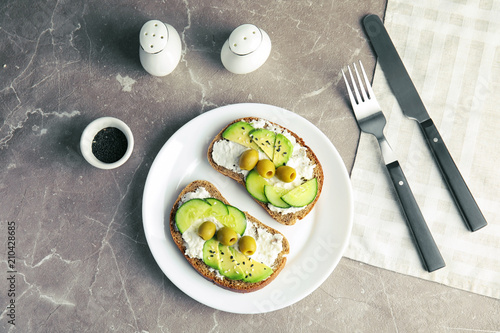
<point>109,145</point>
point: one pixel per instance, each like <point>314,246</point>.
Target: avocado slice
<point>265,140</point>
<point>255,185</point>
<point>228,265</point>
<point>274,194</point>
<point>189,212</point>
<point>211,254</point>
<point>283,150</point>
<point>253,271</point>
<point>302,195</point>
<point>239,133</point>
<point>232,263</point>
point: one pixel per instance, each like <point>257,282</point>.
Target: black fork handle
<point>426,246</point>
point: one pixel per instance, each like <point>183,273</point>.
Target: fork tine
<point>367,82</point>
<point>362,88</point>
<point>349,91</point>
<point>356,91</point>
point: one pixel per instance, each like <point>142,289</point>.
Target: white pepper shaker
<point>160,49</point>
<point>246,49</point>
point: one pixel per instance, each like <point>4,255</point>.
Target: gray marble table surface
<point>82,263</point>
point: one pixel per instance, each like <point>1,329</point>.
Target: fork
<point>371,120</point>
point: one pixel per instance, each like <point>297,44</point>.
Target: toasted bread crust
<point>286,219</point>
<point>205,270</point>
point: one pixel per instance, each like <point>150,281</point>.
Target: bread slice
<point>205,270</point>
<point>288,218</point>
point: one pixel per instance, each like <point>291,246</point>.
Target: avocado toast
<point>225,265</point>
<point>288,185</point>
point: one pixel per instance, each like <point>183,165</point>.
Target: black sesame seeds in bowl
<point>107,143</point>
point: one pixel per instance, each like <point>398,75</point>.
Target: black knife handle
<point>461,194</point>
<point>427,248</point>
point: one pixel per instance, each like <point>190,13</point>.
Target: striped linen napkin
<point>451,50</point>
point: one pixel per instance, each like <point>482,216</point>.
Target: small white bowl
<point>90,132</point>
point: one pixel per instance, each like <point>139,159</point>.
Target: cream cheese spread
<point>193,242</point>
<point>199,193</point>
<point>268,245</point>
<point>227,153</point>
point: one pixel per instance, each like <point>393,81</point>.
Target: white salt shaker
<point>246,49</point>
<point>160,50</point>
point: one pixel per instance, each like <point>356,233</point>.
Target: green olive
<point>249,159</point>
<point>286,173</point>
<point>206,230</point>
<point>266,168</point>
<point>247,245</point>
<point>227,236</point>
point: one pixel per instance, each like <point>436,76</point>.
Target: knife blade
<point>412,106</point>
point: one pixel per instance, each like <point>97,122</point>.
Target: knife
<point>412,106</point>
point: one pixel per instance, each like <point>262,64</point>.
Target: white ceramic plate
<point>317,242</point>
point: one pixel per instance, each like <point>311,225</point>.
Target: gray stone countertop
<point>82,263</point>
